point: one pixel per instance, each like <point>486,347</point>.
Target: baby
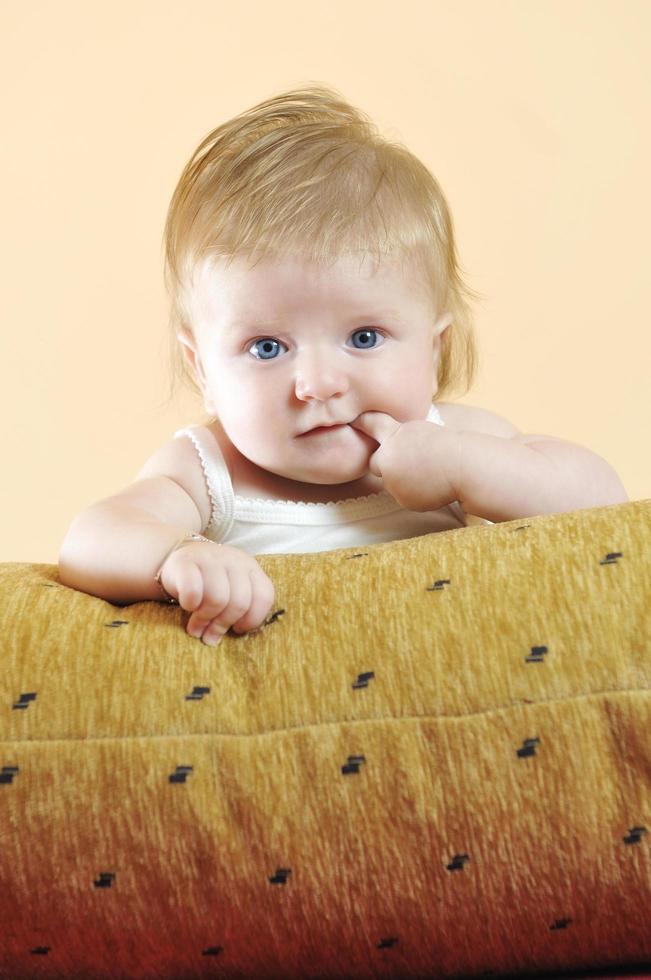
<point>318,308</point>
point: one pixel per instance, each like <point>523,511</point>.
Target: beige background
<point>533,115</point>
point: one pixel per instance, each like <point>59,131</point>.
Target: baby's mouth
<point>324,430</point>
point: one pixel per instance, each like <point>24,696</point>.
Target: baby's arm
<point>501,478</point>
<point>114,548</point>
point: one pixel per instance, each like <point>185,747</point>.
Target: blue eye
<point>266,348</point>
<point>367,338</point>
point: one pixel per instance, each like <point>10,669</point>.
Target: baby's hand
<point>220,586</point>
<point>417,460</point>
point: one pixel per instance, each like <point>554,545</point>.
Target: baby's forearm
<point>113,551</point>
<point>504,479</point>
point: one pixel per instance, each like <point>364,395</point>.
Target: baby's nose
<point>319,378</point>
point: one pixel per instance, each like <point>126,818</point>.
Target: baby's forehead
<point>237,296</point>
<point>349,273</point>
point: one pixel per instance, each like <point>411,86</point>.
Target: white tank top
<point>265,527</point>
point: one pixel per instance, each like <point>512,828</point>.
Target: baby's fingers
<point>237,605</point>
<point>263,595</point>
<point>215,592</point>
<point>189,587</point>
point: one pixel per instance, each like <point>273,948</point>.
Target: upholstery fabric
<point>432,761</point>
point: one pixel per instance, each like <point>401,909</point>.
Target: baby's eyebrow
<point>245,322</point>
<point>376,315</point>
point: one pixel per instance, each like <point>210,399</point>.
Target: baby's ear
<point>191,353</point>
<point>441,327</point>
<point>190,350</point>
<point>441,334</point>
<point>186,338</point>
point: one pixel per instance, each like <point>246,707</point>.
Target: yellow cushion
<point>434,759</point>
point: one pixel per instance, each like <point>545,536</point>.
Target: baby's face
<point>287,346</point>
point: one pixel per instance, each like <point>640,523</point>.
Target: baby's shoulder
<point>178,459</point>
<point>469,418</point>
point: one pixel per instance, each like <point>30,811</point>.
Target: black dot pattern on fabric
<point>364,816</point>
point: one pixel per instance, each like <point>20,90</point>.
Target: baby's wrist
<point>186,539</point>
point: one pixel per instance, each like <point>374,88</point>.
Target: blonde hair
<point>306,174</point>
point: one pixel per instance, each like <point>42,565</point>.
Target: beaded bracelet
<point>157,576</point>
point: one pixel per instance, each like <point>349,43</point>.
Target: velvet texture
<point>433,760</point>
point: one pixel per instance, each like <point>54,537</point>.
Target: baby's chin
<point>319,475</point>
<point>321,462</point>
<point>323,479</point>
